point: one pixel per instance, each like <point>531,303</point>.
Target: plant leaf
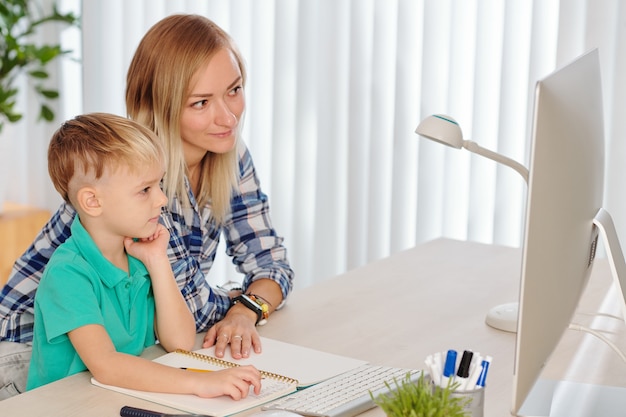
<point>46,113</point>
<point>421,399</point>
<point>18,20</point>
<point>38,74</point>
<point>52,94</point>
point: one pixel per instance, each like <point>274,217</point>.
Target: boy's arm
<point>110,367</point>
<point>174,324</point>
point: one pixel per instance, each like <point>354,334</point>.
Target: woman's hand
<point>237,329</point>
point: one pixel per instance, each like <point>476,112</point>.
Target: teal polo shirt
<point>80,286</point>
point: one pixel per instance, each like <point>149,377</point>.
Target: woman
<point>185,82</point>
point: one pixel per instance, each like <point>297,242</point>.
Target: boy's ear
<point>88,201</point>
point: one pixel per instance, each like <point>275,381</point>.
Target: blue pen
<point>483,373</point>
<point>449,368</point>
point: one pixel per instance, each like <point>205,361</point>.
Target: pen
<point>449,368</point>
<point>434,369</point>
<point>196,370</point>
<point>475,370</point>
<point>483,373</point>
<point>463,371</point>
<point>128,411</point>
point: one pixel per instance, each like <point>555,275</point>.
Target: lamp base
<point>503,317</point>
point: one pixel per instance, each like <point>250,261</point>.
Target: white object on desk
<point>503,317</point>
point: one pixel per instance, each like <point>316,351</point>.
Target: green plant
<point>421,399</point>
<point>19,20</point>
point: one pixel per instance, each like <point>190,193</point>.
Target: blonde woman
<point>186,83</point>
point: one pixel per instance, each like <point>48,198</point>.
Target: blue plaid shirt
<point>251,241</point>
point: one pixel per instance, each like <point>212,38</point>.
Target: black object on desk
<point>127,411</point>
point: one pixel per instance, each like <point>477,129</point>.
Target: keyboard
<point>345,395</point>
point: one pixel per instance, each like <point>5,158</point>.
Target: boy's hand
<point>234,382</point>
<point>149,249</point>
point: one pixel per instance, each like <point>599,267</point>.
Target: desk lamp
<point>444,129</point>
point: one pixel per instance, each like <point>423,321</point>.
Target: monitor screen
<point>565,192</point>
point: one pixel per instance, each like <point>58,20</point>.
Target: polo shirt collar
<point>110,275</point>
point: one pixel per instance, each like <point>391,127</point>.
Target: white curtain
<point>336,89</point>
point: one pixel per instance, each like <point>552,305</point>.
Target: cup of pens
<point>466,372</point>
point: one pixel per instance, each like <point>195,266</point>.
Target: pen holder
<point>474,401</point>
<point>464,379</point>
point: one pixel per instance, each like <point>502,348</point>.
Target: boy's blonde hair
<point>157,86</point>
<point>85,146</point>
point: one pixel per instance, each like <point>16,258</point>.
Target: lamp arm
<point>475,148</point>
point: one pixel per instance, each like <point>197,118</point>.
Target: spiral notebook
<point>284,367</point>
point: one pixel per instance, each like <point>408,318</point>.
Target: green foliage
<point>19,20</point>
<point>421,399</point>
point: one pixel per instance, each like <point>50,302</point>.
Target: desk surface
<point>395,312</point>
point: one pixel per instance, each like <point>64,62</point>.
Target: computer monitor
<point>565,195</point>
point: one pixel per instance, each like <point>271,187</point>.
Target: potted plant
<point>421,399</point>
<point>19,20</point>
<point>21,57</point>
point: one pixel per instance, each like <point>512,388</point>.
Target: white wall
<point>336,90</point>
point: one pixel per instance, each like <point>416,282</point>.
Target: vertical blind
<point>336,89</point>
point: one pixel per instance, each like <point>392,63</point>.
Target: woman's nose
<point>224,116</point>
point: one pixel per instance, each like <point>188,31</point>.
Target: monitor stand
<point>604,222</point>
<point>550,398</point>
<point>504,316</point>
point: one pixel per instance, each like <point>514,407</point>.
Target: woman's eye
<point>199,104</point>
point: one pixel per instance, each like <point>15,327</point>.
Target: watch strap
<point>251,304</point>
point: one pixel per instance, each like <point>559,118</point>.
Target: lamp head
<point>441,128</point>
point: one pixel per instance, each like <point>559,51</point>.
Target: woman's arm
<point>252,241</point>
<point>258,252</point>
<point>207,305</point>
<point>17,296</point>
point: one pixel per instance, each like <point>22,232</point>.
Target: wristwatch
<point>251,304</point>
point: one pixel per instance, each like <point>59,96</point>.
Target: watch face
<point>250,300</point>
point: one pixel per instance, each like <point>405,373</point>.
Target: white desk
<point>395,312</point>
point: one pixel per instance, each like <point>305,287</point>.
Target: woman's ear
<point>88,201</point>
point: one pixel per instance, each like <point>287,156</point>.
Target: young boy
<point>109,291</point>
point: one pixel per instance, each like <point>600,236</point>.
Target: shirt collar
<point>109,273</point>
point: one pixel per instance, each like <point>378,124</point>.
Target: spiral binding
<point>226,364</point>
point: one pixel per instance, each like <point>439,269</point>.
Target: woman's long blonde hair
<point>157,86</point>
